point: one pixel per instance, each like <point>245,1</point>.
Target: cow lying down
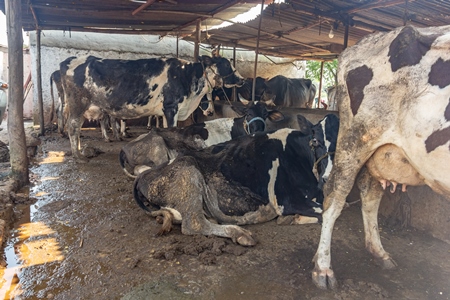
<point>248,180</point>
<point>164,144</point>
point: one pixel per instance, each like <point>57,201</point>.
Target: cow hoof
<point>81,159</point>
<point>241,236</point>
<point>246,240</point>
<point>387,264</point>
<point>324,279</point>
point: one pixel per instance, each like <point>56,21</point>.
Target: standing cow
<point>248,180</point>
<point>393,95</point>
<point>93,113</point>
<point>128,89</point>
<point>289,92</point>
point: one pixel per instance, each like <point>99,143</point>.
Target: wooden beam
<point>197,42</point>
<point>143,6</point>
<point>39,82</point>
<point>16,130</point>
<point>377,4</point>
<point>320,85</point>
<point>218,10</point>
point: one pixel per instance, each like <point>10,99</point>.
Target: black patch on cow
<point>126,80</point>
<point>296,186</point>
<point>154,87</point>
<point>195,129</point>
<point>64,65</point>
<point>439,73</point>
<point>437,138</point>
<point>356,80</point>
<point>447,112</point>
<point>289,92</point>
<point>408,48</point>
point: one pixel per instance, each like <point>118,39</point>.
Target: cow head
<point>223,73</point>
<point>323,143</point>
<point>256,115</point>
<point>206,106</point>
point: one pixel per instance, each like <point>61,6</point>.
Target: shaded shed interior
<point>297,29</point>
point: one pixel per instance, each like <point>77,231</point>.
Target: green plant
<point>329,72</point>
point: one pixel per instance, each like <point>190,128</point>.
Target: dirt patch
<point>103,246</point>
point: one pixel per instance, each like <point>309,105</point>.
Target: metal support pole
<point>257,52</point>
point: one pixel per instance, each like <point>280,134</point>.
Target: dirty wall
<point>56,46</point>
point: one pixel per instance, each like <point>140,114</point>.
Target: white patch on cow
<point>190,103</point>
<point>327,172</point>
<point>219,131</point>
<point>175,213</point>
<point>299,220</point>
<point>75,63</point>
<point>317,210</point>
<point>281,135</point>
<point>271,187</point>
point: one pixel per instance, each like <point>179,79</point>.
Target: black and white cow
<point>289,92</point>
<point>94,113</point>
<point>152,150</point>
<point>394,107</point>
<point>248,180</point>
<point>129,89</point>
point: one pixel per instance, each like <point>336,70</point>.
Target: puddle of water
<point>30,243</point>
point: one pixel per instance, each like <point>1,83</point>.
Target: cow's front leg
<point>371,194</point>
<point>74,137</point>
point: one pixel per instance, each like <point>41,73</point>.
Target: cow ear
<point>276,116</point>
<point>304,125</point>
<point>206,60</point>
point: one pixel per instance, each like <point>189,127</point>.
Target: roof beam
<point>218,10</point>
<point>143,6</point>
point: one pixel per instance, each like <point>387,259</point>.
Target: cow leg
<point>149,122</point>
<point>104,124</point>
<point>123,129</point>
<point>60,116</point>
<point>371,194</point>
<point>74,125</point>
<point>344,168</point>
<point>193,217</point>
<point>116,133</point>
<point>185,190</point>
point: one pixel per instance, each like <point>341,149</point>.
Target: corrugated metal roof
<point>296,29</point>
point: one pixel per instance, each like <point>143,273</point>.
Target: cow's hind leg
<point>74,126</point>
<point>195,222</point>
<point>371,194</point>
<point>323,275</point>
<point>104,125</point>
<point>181,189</point>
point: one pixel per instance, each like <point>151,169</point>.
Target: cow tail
<point>122,159</point>
<point>139,197</point>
